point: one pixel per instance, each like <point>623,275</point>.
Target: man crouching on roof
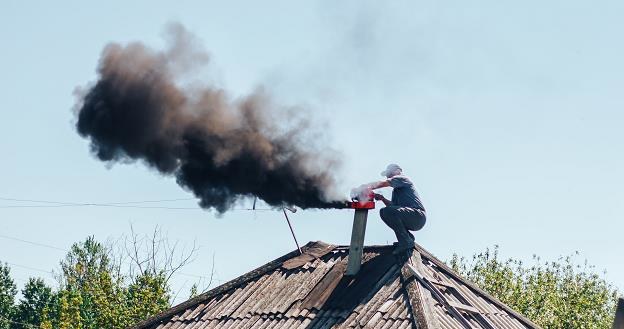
<point>405,212</point>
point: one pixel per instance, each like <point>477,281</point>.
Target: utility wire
<point>26,282</point>
<point>134,207</point>
<point>52,273</point>
<point>65,250</point>
<point>30,268</point>
<point>123,204</point>
<point>98,205</point>
<point>32,242</point>
<point>101,203</point>
<point>59,204</point>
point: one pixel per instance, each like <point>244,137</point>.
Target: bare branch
<point>156,255</point>
<point>212,272</point>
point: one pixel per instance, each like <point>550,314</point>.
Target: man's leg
<point>413,219</point>
<point>393,218</point>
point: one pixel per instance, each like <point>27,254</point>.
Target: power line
<point>132,207</point>
<point>57,206</point>
<point>60,204</point>
<point>126,204</point>
<point>65,250</point>
<point>32,243</point>
<point>97,205</point>
<point>51,273</point>
<point>90,203</point>
<point>121,204</point>
<point>30,268</point>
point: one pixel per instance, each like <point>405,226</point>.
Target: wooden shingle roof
<point>311,291</point>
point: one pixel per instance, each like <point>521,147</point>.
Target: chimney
<point>357,234</point>
<point>618,323</point>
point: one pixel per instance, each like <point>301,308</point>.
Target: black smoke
<point>144,107</point>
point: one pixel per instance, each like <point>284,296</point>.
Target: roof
<point>311,291</point>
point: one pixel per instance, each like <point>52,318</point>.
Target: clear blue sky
<point>507,115</point>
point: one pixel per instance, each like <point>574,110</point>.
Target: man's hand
<point>381,198</point>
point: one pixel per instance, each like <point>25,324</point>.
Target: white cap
<point>393,167</point>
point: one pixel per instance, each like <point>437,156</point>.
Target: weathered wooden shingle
<point>311,291</point>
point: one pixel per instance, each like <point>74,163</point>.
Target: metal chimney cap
<point>361,204</point>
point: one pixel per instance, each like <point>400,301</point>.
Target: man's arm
<point>365,189</point>
<point>380,184</point>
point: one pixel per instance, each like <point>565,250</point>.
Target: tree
<point>70,315</point>
<point>8,290</point>
<point>110,286</point>
<point>560,294</point>
<point>36,297</point>
<point>106,289</point>
<point>84,263</point>
<point>92,292</point>
<point>147,295</point>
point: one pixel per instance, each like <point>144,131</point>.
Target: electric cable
<point>31,268</point>
<point>122,204</point>
<point>82,203</point>
<point>32,242</point>
<point>66,250</point>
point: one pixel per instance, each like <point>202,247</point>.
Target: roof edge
<point>217,290</point>
<point>474,287</point>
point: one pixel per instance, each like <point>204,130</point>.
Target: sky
<point>507,116</point>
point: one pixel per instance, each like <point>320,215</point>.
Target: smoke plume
<point>221,149</point>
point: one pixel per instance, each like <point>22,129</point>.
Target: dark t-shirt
<point>404,194</point>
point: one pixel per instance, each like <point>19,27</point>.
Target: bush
<point>560,294</point>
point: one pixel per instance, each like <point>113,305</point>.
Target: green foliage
<point>7,296</point>
<point>194,291</point>
<point>69,310</point>
<point>36,297</point>
<point>554,295</point>
<point>84,264</point>
<point>89,279</point>
<point>96,291</point>
<point>146,296</point>
<point>46,321</point>
<point>96,295</point>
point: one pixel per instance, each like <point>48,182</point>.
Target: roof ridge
<point>420,300</point>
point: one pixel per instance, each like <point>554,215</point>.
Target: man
<point>405,212</point>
